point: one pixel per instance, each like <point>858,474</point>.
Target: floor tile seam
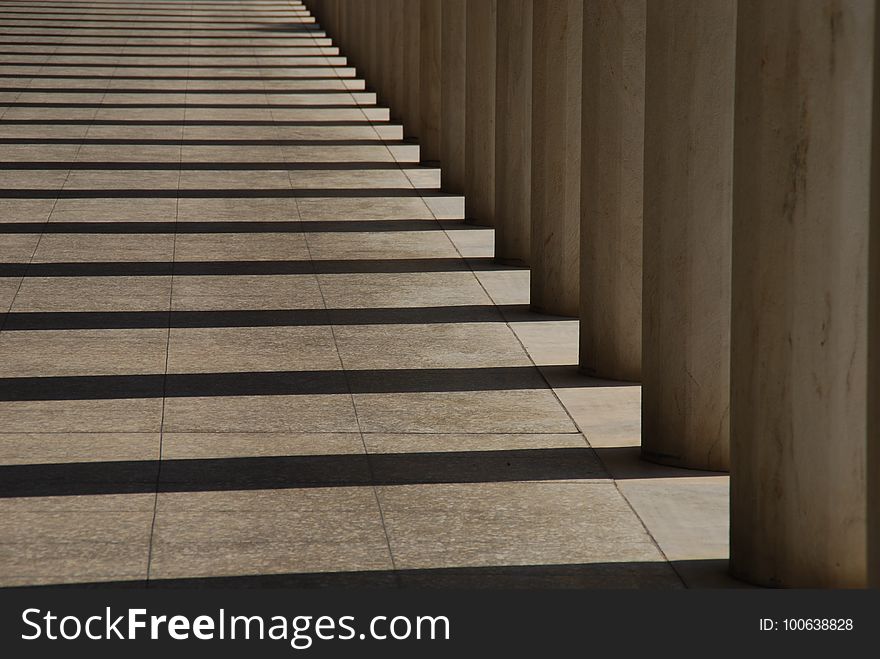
<point>350,392</point>
<point>510,327</point>
<point>36,246</point>
<point>167,361</point>
<point>598,457</point>
<point>399,168</point>
<point>372,485</point>
<point>288,432</point>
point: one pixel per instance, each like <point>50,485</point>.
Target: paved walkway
<point>238,346</point>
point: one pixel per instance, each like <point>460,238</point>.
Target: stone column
<point>557,27</point>
<point>332,18</point>
<point>799,342</point>
<point>395,66</point>
<point>316,9</point>
<point>341,35</point>
<point>356,22</point>
<point>690,61</point>
<point>874,331</point>
<point>612,186</point>
<point>370,33</point>
<point>430,98</point>
<point>346,41</point>
<point>452,112</point>
<point>410,111</point>
<point>383,51</point>
<point>479,155</point>
<point>513,132</point>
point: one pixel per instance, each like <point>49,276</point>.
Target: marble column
<point>612,169</point>
<point>874,330</point>
<point>557,26</point>
<point>430,98</point>
<point>513,132</point>
<point>332,26</point>
<point>396,76</point>
<point>452,88</point>
<point>384,52</point>
<point>344,39</point>
<point>355,30</point>
<point>410,97</point>
<point>479,188</point>
<point>370,52</point>
<point>689,84</point>
<point>799,406</point>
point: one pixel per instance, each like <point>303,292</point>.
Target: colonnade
<point>697,181</point>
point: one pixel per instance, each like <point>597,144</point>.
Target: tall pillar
<point>689,81</point>
<point>395,66</point>
<point>874,331</point>
<point>479,156</point>
<point>411,46</point>
<point>557,27</point>
<point>350,45</point>
<point>339,36</point>
<point>384,51</point>
<point>612,182</point>
<point>452,110</point>
<point>799,342</point>
<point>343,29</point>
<point>430,98</point>
<point>513,132</point>
<point>370,33</point>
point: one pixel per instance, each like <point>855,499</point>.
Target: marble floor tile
<point>93,294</point>
<point>482,524</point>
<point>251,349</point>
<point>82,352</point>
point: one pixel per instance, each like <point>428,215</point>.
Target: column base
<point>677,461</point>
<point>595,373</point>
<point>511,263</point>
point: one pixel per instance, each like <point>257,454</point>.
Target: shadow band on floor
<point>88,165</point>
<point>79,320</point>
<point>272,383</point>
<point>645,575</point>
<point>186,227</point>
<point>245,268</point>
<point>220,193</point>
<point>296,472</point>
<point>145,141</point>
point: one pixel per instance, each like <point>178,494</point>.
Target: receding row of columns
<point>697,181</point>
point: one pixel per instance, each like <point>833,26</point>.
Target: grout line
<point>43,224</point>
<point>165,379</point>
<point>550,387</point>
<point>345,373</point>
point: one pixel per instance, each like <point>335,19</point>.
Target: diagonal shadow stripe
<point>102,37</point>
<point>315,123</point>
<point>167,55</point>
<point>302,471</point>
<point>122,141</point>
<point>97,165</point>
<point>270,383</point>
<point>97,76</point>
<point>616,575</point>
<point>242,268</point>
<point>209,227</point>
<point>218,193</point>
<point>341,104</point>
<point>146,32</point>
<point>74,320</point>
<point>181,90</point>
<point>149,67</point>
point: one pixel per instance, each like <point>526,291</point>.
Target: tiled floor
<point>238,347</point>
